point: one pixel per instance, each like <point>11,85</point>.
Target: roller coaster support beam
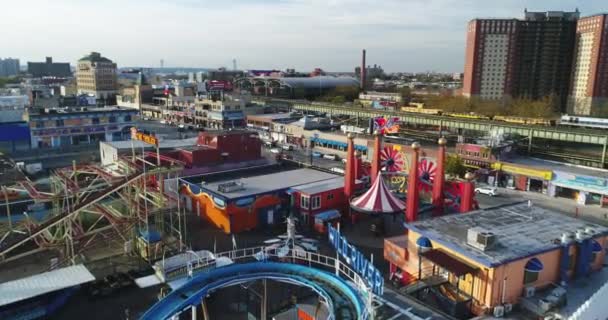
<point>604,153</point>
<point>193,312</point>
<point>264,312</point>
<point>205,310</point>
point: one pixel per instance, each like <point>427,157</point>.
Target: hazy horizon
<point>412,36</point>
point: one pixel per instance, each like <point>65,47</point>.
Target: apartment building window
<point>316,202</point>
<point>305,202</point>
<point>95,120</point>
<point>59,123</point>
<point>39,124</point>
<point>112,119</point>
<point>127,118</point>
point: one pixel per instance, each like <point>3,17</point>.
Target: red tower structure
<point>439,182</point>
<point>358,165</point>
<point>468,187</point>
<point>411,210</point>
<point>349,174</point>
<point>376,165</point>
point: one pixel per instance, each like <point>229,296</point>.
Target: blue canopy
<point>327,215</point>
<point>596,246</point>
<point>534,265</point>
<point>150,236</point>
<point>424,242</point>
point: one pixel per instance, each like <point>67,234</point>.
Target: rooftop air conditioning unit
<point>499,311</point>
<point>529,292</point>
<point>480,238</point>
<point>231,186</point>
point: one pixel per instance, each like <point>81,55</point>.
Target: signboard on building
<point>524,171</point>
<point>386,125</point>
<point>370,274</point>
<point>145,138</point>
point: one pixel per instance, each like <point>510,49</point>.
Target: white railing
<point>594,308</point>
<point>313,259</point>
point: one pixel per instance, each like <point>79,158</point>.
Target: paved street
<point>561,205</point>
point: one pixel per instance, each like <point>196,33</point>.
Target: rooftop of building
<point>94,57</point>
<point>164,144</point>
<point>318,82</point>
<point>561,167</point>
<point>521,231</point>
<point>271,116</point>
<point>321,186</point>
<point>262,184</point>
<point>46,111</point>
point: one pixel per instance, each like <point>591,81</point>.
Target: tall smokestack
<point>412,204</point>
<point>363,71</point>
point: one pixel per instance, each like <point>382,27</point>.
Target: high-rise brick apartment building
<point>589,90</point>
<point>529,58</point>
<point>96,75</point>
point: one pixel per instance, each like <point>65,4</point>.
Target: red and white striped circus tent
<point>378,199</point>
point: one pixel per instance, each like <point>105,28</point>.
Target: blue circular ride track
<point>344,302</point>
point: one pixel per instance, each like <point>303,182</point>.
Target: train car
<point>471,115</point>
<point>526,120</point>
<point>587,122</point>
<point>422,110</point>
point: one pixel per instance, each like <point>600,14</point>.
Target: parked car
<point>275,150</point>
<point>337,170</point>
<point>163,121</point>
<point>488,191</point>
<point>331,157</point>
<point>287,147</point>
<point>317,154</point>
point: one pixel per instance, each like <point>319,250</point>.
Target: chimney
<point>468,187</point>
<point>349,174</point>
<point>49,60</point>
<point>376,165</point>
<point>363,71</point>
<point>439,182</point>
<point>411,213</point>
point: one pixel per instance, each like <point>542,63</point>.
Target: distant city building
<point>529,58</point>
<point>14,131</point>
<point>372,72</point>
<point>49,69</point>
<point>200,76</point>
<point>51,128</point>
<point>9,67</point>
<point>96,75</point>
<point>589,91</point>
<point>223,74</point>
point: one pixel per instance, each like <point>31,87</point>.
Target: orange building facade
<point>536,250</point>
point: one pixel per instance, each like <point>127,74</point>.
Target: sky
<point>399,35</point>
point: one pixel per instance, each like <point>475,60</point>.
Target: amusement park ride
<point>134,204</point>
<point>88,207</point>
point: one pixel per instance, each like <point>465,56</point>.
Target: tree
<point>454,166</point>
<point>406,95</point>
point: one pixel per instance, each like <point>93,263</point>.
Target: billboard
<point>385,125</point>
<point>219,85</point>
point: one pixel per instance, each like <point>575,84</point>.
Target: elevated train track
<point>532,132</point>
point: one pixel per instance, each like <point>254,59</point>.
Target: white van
<point>287,147</point>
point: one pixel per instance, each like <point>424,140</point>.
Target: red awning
<point>453,265</point>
